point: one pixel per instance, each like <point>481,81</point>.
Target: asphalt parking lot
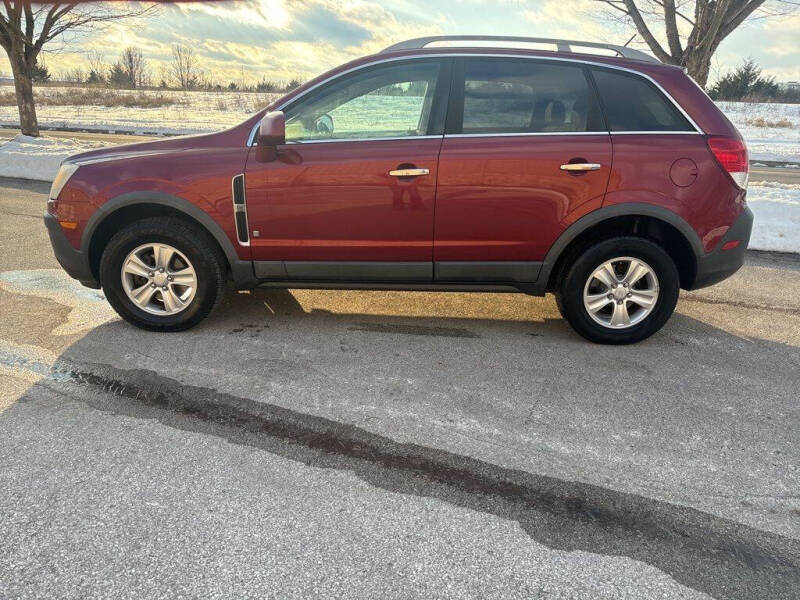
<point>402,445</point>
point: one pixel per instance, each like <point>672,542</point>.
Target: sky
<point>250,40</point>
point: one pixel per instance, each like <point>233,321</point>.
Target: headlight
<point>65,171</point>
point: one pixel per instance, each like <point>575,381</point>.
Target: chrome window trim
<point>525,134</point>
<point>577,61</point>
<point>371,139</point>
<point>560,133</point>
<point>251,141</point>
<point>656,133</point>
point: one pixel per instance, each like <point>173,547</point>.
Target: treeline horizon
<point>131,71</point>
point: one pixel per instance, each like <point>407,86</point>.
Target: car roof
<point>501,41</point>
<point>586,57</point>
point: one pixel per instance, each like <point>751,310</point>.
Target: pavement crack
<point>714,555</point>
<point>16,214</point>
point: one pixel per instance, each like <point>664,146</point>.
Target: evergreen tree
<point>39,73</point>
<point>118,76</point>
<point>95,77</point>
<point>744,82</point>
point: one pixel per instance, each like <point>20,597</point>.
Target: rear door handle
<point>580,167</point>
<point>408,172</point>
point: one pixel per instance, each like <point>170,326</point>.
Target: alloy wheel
<point>159,279</point>
<point>621,292</point>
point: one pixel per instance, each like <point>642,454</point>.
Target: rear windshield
<point>634,104</point>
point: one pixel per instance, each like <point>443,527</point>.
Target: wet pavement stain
<point>87,308</point>
<point>454,332</point>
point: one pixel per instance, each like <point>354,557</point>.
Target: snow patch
<point>194,112</point>
<point>776,208</point>
<point>766,143</point>
<point>28,157</point>
<point>775,184</point>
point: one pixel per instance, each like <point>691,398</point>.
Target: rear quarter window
<point>511,96</point>
<point>632,103</point>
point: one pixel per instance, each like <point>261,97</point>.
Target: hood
<point>236,136</point>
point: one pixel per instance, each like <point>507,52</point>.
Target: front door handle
<point>408,172</point>
<point>580,167</point>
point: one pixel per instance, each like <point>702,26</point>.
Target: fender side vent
<point>240,209</point>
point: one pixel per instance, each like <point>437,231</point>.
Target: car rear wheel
<point>619,291</point>
<point>162,274</point>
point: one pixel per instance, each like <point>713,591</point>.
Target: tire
<point>583,284</point>
<point>192,246</point>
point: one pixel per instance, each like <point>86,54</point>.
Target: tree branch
<point>614,4</point>
<point>12,20</point>
<point>645,32</point>
<point>5,37</point>
<point>677,12</point>
<point>671,25</point>
<point>720,10</point>
<point>29,21</point>
<point>748,9</point>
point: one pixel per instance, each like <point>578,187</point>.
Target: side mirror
<point>272,130</point>
<point>271,134</point>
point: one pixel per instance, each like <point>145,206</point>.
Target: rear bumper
<point>74,262</point>
<point>721,264</point>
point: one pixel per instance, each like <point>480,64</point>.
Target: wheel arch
<point>653,222</point>
<point>123,209</point>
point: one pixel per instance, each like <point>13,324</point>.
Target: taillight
<point>731,154</point>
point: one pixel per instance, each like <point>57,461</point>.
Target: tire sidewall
<point>571,293</point>
<point>111,278</point>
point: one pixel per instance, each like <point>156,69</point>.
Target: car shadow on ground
<point>270,334</point>
<point>396,312</point>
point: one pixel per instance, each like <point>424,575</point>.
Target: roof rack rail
<point>561,45</point>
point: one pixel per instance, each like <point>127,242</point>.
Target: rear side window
<point>634,104</point>
<point>522,96</point>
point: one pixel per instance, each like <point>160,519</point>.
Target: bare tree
<point>184,70</point>
<point>76,75</point>
<point>693,29</point>
<point>25,29</point>
<point>98,68</point>
<point>134,66</point>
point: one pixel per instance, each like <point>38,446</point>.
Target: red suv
<point>611,181</point>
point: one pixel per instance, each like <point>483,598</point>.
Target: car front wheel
<point>619,291</point>
<point>162,274</point>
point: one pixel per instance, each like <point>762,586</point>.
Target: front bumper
<point>721,264</point>
<point>74,262</point>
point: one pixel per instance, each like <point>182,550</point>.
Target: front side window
<point>521,96</point>
<point>388,101</point>
<point>634,104</point>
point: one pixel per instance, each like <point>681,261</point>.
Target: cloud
<point>772,42</point>
<point>282,39</point>
<point>783,37</point>
<point>582,21</point>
